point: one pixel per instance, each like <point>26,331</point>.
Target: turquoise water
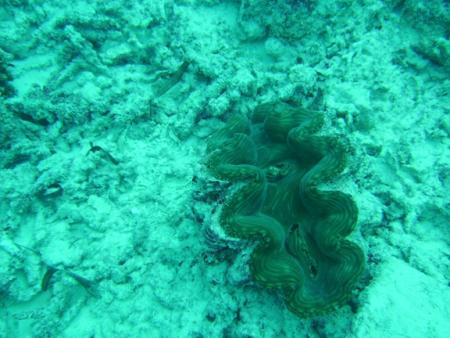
<point>127,129</point>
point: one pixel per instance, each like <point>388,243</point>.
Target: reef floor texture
<point>225,168</point>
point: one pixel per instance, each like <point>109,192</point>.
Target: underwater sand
<point>109,222</point>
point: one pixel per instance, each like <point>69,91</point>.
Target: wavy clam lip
<point>280,160</point>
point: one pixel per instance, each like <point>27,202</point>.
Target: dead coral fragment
<point>300,229</point>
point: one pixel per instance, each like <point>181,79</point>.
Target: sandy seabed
<point>108,217</point>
